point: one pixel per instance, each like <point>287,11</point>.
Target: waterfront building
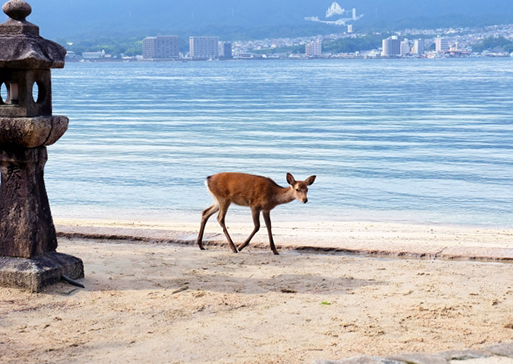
<point>149,47</point>
<point>314,49</point>
<point>71,55</point>
<point>418,47</point>
<point>442,45</point>
<point>391,47</point>
<point>350,28</point>
<point>204,47</point>
<point>225,50</point>
<point>405,47</point>
<point>161,47</point>
<point>93,55</point>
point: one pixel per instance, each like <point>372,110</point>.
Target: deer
<point>260,194</point>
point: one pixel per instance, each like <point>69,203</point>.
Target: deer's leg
<point>223,209</point>
<point>267,219</point>
<point>205,215</point>
<point>256,222</point>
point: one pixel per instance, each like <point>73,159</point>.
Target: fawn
<point>260,194</point>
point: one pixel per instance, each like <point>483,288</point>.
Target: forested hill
<point>251,18</point>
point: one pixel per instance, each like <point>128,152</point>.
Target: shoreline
<point>355,238</point>
<point>284,214</point>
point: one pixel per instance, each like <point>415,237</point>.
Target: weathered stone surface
<point>419,358</point>
<point>21,86</point>
<point>32,52</point>
<point>17,9</point>
<point>488,360</point>
<point>499,354</point>
<point>20,43</point>
<point>26,225</point>
<point>27,234</point>
<point>34,274</point>
<point>32,132</point>
<point>359,360</point>
<point>502,350</point>
<point>464,354</point>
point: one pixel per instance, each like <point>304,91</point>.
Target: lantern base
<point>39,272</point>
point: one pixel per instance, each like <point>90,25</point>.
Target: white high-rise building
<point>405,47</point>
<point>314,49</point>
<point>204,47</point>
<point>161,46</point>
<point>418,46</point>
<point>391,47</point>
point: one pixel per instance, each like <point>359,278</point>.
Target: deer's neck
<point>284,195</point>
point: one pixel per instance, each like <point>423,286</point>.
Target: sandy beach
<point>156,298</point>
<point>371,238</point>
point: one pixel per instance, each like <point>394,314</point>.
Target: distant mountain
<point>251,18</point>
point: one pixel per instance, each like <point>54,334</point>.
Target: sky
<point>71,17</point>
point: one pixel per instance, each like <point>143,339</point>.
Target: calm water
<point>392,140</point>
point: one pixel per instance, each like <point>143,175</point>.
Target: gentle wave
<point>426,141</point>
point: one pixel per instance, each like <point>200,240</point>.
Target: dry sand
<point>169,303</point>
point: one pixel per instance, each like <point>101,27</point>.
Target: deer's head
<point>300,188</point>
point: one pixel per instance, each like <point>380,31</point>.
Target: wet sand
<point>371,238</point>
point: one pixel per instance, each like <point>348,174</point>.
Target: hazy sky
<point>84,16</point>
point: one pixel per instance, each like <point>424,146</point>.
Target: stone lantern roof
<point>20,44</point>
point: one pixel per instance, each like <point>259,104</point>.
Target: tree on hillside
<point>491,43</point>
<point>351,45</point>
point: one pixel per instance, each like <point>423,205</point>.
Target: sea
<point>423,141</point>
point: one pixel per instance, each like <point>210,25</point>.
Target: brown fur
<point>259,193</point>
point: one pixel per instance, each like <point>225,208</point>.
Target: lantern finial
<point>17,9</point>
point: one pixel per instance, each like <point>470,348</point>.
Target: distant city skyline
<point>431,43</point>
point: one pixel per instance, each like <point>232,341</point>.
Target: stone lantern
<point>27,234</point>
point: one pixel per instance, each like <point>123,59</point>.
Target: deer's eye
<point>297,189</point>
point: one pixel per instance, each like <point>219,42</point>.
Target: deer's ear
<point>290,179</point>
<point>310,180</point>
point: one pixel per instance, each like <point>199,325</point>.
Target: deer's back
<point>244,189</point>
